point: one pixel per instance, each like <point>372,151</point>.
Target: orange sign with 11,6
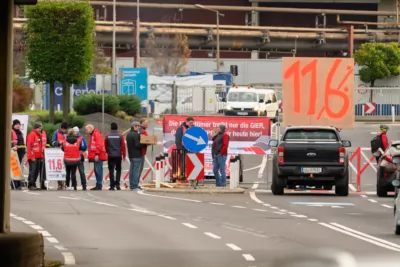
<point>318,91</point>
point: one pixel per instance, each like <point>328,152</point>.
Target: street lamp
<point>137,35</point>
<point>218,14</point>
<point>114,60</point>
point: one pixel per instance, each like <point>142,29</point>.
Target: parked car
<point>310,156</point>
<point>388,164</point>
<point>396,212</point>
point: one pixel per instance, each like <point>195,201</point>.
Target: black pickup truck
<point>310,156</point>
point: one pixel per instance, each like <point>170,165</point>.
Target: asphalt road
<point>124,228</point>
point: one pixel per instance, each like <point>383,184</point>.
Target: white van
<point>247,101</point>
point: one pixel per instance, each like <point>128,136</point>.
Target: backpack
<point>376,143</point>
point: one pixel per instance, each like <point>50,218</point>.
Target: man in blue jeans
<point>96,154</point>
<point>219,154</point>
<point>135,154</point>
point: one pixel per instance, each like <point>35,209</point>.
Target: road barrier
<point>359,169</point>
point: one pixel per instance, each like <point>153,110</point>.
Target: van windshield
<point>242,97</point>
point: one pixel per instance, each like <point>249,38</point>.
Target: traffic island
<point>186,189</point>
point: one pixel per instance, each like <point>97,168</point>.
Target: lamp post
<point>218,15</point>
<point>137,35</point>
<point>114,60</point>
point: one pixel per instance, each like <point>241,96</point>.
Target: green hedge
<point>44,117</point>
<point>92,103</point>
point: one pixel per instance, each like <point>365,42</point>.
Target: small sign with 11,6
<point>195,139</point>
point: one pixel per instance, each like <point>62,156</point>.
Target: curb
<point>195,191</point>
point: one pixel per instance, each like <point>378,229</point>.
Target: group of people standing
<point>111,148</point>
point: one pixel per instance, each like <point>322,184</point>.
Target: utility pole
<point>114,60</point>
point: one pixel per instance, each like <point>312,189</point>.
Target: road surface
<point>124,228</point>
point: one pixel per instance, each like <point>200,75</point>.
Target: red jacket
<point>14,138</point>
<point>96,146</point>
<point>36,143</point>
<point>71,152</point>
<point>385,141</point>
<point>144,132</point>
<point>220,143</point>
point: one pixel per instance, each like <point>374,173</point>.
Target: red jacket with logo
<point>71,152</point>
<point>36,143</point>
<point>96,146</point>
<point>14,138</point>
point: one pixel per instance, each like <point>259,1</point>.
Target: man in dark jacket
<point>135,155</point>
<point>220,153</point>
<point>181,131</point>
<point>19,147</point>
<point>116,151</point>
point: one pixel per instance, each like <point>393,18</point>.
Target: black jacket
<point>179,135</point>
<point>133,144</point>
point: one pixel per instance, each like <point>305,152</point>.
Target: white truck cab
<point>247,101</point>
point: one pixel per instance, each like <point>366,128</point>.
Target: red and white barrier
<point>359,170</point>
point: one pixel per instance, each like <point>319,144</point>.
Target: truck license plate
<point>311,170</point>
<point>243,113</point>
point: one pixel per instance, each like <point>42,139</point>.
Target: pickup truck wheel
<point>380,190</point>
<point>276,189</point>
<point>343,189</point>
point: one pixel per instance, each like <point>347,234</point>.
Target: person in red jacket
<point>143,126</point>
<point>114,143</point>
<point>36,143</point>
<point>384,141</point>
<point>219,154</point>
<point>72,156</point>
<point>96,154</point>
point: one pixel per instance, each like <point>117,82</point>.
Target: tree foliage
<point>100,63</point>
<point>170,57</point>
<point>60,45</point>
<point>377,61</point>
<point>22,96</point>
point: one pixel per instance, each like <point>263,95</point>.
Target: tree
<point>171,58</point>
<point>60,45</point>
<point>377,61</point>
<point>100,63</point>
<point>22,96</point>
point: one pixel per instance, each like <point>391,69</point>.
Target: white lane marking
<point>253,197</point>
<point>313,220</point>
<point>315,205</point>
<point>174,198</point>
<point>250,169</point>
<point>69,259</point>
<point>12,215</point>
<point>352,188</point>
<point>248,257</point>
<point>274,208</point>
<point>144,211</point>
<point>238,207</point>
<point>75,198</point>
<point>387,206</point>
<point>20,218</point>
<point>105,204</point>
<point>299,216</point>
<point>190,225</point>
<point>363,196</point>
<point>267,205</point>
<point>283,210</point>
<point>367,159</point>
<point>60,248</point>
<point>233,246</point>
<point>28,222</point>
<point>215,203</point>
<point>212,235</point>
<point>166,217</point>
<point>372,200</point>
<point>278,212</point>
<point>366,236</point>
<point>36,227</point>
<point>262,168</point>
<point>44,233</point>
<point>292,213</point>
<point>255,186</point>
<point>337,207</point>
<point>358,236</point>
<point>52,240</point>
<point>259,210</point>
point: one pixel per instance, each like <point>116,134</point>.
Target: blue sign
<point>195,139</point>
<point>133,81</point>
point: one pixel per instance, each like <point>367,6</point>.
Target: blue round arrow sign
<point>195,139</point>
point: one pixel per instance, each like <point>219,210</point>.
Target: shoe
<point>95,189</point>
<point>84,188</point>
<point>32,188</point>
<point>75,188</point>
<point>43,187</point>
<point>112,189</point>
<point>118,188</point>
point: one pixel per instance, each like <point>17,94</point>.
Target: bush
<point>92,103</point>
<point>121,114</point>
<point>50,129</point>
<point>129,118</point>
<point>78,121</point>
<point>22,96</point>
<point>130,104</point>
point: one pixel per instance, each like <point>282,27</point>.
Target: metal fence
<point>378,101</point>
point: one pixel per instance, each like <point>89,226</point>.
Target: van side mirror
<point>269,102</point>
<point>273,143</point>
<point>346,143</point>
<point>261,101</point>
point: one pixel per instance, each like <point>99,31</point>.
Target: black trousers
<point>115,163</point>
<point>70,169</point>
<point>34,168</point>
